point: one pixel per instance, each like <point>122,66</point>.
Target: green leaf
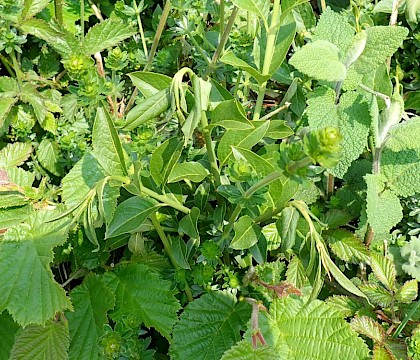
<point>188,224</point>
<point>14,216</point>
<point>55,35</point>
<point>140,292</point>
<point>231,59</point>
<point>245,351</point>
<point>382,42</point>
<point>91,300</point>
<point>130,215</point>
<point>8,329</point>
<point>260,8</point>
<point>286,226</point>
<point>346,305</point>
<point>246,233</point>
<point>402,171</point>
<point>272,235</point>
<point>240,138</point>
<point>384,270</point>
<point>208,327</point>
<point>335,28</point>
<point>148,109</point>
<point>230,110</point>
<point>412,100</point>
<point>48,154</point>
<point>322,111</point>
<point>259,165</point>
<point>368,327</point>
<point>345,245</point>
<point>6,105</point>
<point>14,154</point>
<point>377,294</point>
<point>383,207</point>
<point>27,287</point>
<point>310,331</point>
<point>407,292</point>
<point>107,199</point>
<point>37,342</point>
<point>296,273</point>
<point>106,34</point>
<point>278,130</point>
<point>321,60</point>
<point>412,10</point>
<point>33,7</point>
<point>381,353</point>
<point>106,144</point>
<point>192,171</point>
<point>403,136</point>
<point>149,83</point>
<point>163,160</point>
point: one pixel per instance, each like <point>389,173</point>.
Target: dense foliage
<point>199,179</point>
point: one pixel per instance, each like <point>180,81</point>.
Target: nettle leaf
<point>296,273</point>
<point>191,171</point>
<point>27,287</point>
<point>6,105</point>
<point>246,233</point>
<point>33,7</point>
<point>164,159</point>
<point>8,329</point>
<point>106,34</point>
<point>142,293</point>
<point>383,207</point>
<point>208,327</point>
<point>377,294</point>
<point>246,351</point>
<point>148,109</point>
<point>14,216</point>
<point>309,331</point>
<point>91,301</point>
<point>382,42</point>
<point>404,136</point>
<point>14,154</point>
<point>106,144</point>
<point>130,215</point>
<point>402,171</point>
<point>368,327</point>
<point>346,305</point>
<point>407,292</point>
<point>345,245</point>
<point>384,270</point>
<point>320,60</point>
<point>149,83</point>
<point>335,28</point>
<point>36,342</point>
<point>48,154</point>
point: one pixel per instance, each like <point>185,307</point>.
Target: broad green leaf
<point>246,233</point>
<point>260,8</point>
<point>384,270</point>
<point>402,171</point>
<point>240,138</point>
<point>382,42</point>
<point>272,236</point>
<point>36,342</point>
<point>230,110</point>
<point>407,292</point>
<point>192,171</point>
<point>106,144</point>
<point>404,136</point>
<point>163,160</point>
<point>286,226</point>
<point>14,216</point>
<point>188,224</point>
<point>231,59</point>
<point>149,83</point>
<point>322,111</point>
<point>106,34</point>
<point>335,28</point>
<point>245,351</point>
<point>377,294</point>
<point>148,109</point>
<point>33,7</point>
<point>48,154</point>
<point>383,207</point>
<point>8,328</point>
<point>179,251</point>
<point>278,130</point>
<point>310,331</point>
<point>296,273</point>
<point>321,60</point>
<point>6,105</point>
<point>27,287</point>
<point>91,301</point>
<point>258,164</point>
<point>368,327</point>
<point>130,215</point>
<point>140,292</point>
<point>345,245</point>
<point>208,327</point>
<point>14,154</point>
<point>56,36</point>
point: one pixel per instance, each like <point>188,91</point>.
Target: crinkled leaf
<point>14,216</point>
<point>384,270</point>
<point>130,215</point>
<point>404,136</point>
<point>368,327</point>
<point>14,154</point>
<point>296,273</point>
<point>346,305</point>
<point>345,245</point>
<point>48,154</point>
<point>377,294</point>
<point>286,226</point>
<point>106,34</point>
<point>192,171</point>
<point>208,327</point>
<point>407,292</point>
<point>142,293</point>
<point>164,159</point>
<point>5,107</point>
<point>245,351</point>
<point>91,301</point>
<point>33,7</point>
<point>320,60</point>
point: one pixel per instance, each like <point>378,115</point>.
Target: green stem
<point>58,8</point>
<point>168,248</point>
<point>162,198</point>
<point>222,16</point>
<point>143,40</point>
<point>268,57</point>
<point>16,69</point>
<point>296,165</point>
<point>198,47</point>
<point>82,17</point>
<point>323,5</point>
<point>7,64</point>
<point>406,319</point>
<point>330,185</point>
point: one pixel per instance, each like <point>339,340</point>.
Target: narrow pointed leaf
<point>149,83</point>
